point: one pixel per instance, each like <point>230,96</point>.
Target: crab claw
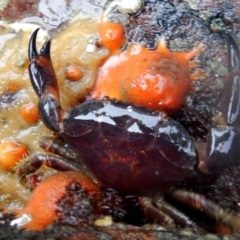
<point>223,142</point>
<point>222,148</point>
<point>233,53</point>
<point>40,68</point>
<point>44,82</point>
<point>230,102</point>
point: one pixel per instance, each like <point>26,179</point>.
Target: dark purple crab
<point>132,149</point>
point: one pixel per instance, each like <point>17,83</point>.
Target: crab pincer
<point>44,82</point>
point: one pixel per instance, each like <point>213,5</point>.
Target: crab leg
<point>222,147</point>
<point>153,213</point>
<point>230,102</point>
<point>198,201</point>
<point>164,213</point>
<point>44,82</point>
<point>52,161</point>
<point>58,162</point>
<point>233,52</point>
<point>179,217</point>
<point>59,148</point>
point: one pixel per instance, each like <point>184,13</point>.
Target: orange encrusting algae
<point>42,204</point>
<point>11,153</point>
<point>29,112</point>
<point>112,35</point>
<point>157,79</point>
<point>73,73</point>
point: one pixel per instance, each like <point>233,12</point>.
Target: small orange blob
<point>112,35</point>
<point>13,88</point>
<point>157,79</point>
<point>10,154</point>
<point>73,73</point>
<point>29,112</point>
<point>42,207</point>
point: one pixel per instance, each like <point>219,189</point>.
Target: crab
<point>118,143</point>
<point>123,137</point>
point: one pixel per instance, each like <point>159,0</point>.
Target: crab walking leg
<point>44,82</point>
<point>57,147</point>
<point>164,213</point>
<point>58,162</point>
<point>179,217</point>
<point>198,201</point>
<point>153,213</point>
<point>52,161</point>
<point>74,161</point>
